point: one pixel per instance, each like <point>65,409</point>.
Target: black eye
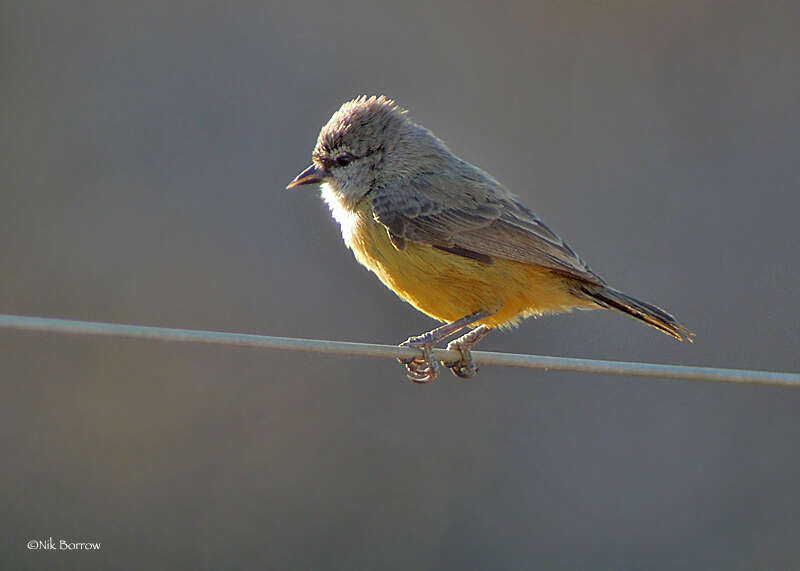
<point>344,160</point>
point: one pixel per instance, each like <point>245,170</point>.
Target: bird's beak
<point>312,175</point>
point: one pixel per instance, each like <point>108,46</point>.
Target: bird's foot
<point>425,369</point>
<point>464,367</point>
<point>422,369</point>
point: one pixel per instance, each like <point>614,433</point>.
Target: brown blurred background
<point>145,148</point>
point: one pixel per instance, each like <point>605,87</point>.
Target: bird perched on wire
<point>447,237</point>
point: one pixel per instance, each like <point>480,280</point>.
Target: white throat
<point>346,218</point>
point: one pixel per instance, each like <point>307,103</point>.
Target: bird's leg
<point>425,369</point>
<point>465,367</point>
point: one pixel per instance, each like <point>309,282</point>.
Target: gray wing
<point>473,217</point>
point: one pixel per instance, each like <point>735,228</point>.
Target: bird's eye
<point>344,160</point>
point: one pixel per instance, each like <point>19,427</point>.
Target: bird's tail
<point>650,314</point>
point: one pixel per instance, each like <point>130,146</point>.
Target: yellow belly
<point>448,287</point>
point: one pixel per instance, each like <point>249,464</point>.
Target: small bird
<point>447,237</point>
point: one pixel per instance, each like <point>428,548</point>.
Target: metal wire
<point>371,350</point>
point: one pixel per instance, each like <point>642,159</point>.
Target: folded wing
<point>470,214</point>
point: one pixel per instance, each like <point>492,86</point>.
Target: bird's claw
<point>422,369</point>
<point>465,367</point>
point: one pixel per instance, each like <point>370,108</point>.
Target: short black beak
<point>312,175</point>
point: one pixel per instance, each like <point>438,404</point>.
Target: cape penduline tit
<point>448,238</point>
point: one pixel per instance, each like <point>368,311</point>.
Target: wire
<point>390,351</point>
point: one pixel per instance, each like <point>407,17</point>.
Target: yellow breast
<point>447,286</point>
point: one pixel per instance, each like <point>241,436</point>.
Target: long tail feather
<point>650,314</point>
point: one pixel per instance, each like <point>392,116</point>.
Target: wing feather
<point>471,214</point>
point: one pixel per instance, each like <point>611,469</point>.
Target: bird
<point>448,238</point>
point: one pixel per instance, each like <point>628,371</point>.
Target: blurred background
<point>145,149</point>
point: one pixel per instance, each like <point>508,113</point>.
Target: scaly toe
<point>465,367</point>
<point>422,378</point>
<point>421,370</point>
<point>464,370</point>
